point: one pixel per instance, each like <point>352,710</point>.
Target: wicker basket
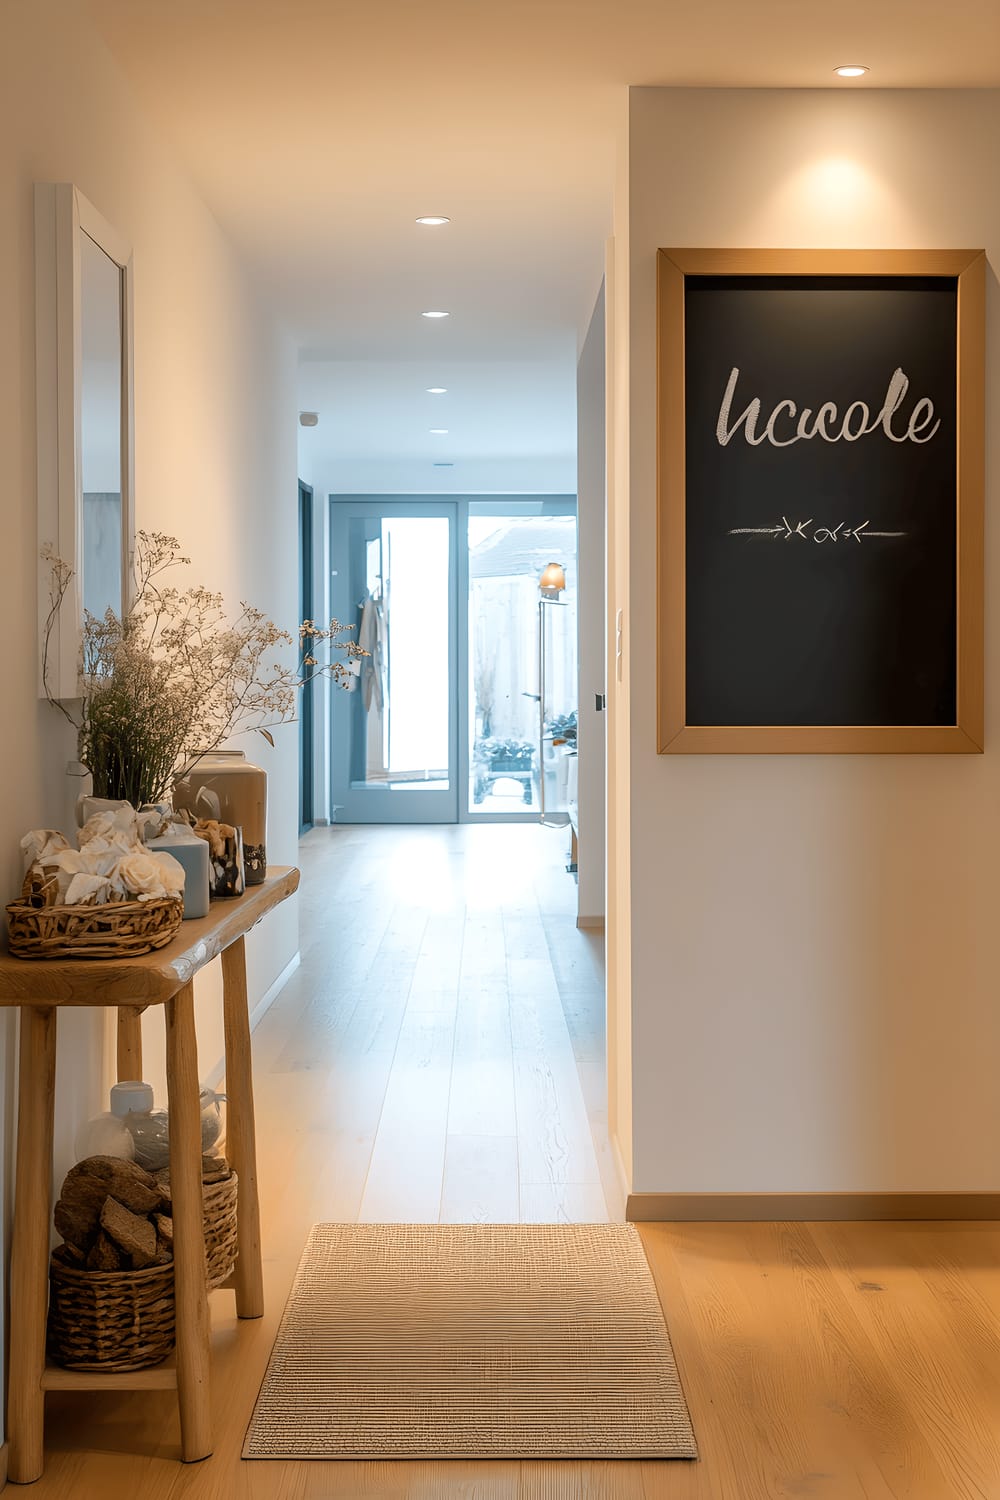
<point>119,929</point>
<point>110,1320</point>
<point>124,1320</point>
<point>220,1225</point>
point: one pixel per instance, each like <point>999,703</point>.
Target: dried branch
<point>172,678</point>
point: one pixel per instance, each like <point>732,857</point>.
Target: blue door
<point>395,731</point>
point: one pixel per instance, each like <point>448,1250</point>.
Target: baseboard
<point>591,924</point>
<point>274,990</point>
<point>646,1208</point>
<point>216,1074</point>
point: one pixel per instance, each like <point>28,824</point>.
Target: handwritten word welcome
<point>827,423</point>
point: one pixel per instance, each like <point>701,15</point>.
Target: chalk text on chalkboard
<point>842,532</point>
<point>857,421</point>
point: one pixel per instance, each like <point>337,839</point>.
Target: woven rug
<point>472,1341</point>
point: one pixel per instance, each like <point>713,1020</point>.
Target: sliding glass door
<point>522,654</point>
<point>450,719</point>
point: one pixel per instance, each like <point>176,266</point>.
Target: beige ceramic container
<point>226,786</point>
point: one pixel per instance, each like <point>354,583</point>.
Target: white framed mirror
<point>83,346</point>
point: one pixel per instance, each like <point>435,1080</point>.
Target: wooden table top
<point>152,978</point>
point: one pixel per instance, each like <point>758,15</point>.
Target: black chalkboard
<point>820,568</point>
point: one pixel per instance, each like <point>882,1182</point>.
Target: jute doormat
<point>472,1341</point>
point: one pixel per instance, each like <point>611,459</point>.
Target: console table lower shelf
<point>40,988</point>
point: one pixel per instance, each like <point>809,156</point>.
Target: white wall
<point>590,500</point>
<point>215,449</point>
<point>815,945</point>
<point>618,941</point>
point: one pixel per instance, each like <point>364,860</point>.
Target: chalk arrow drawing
<point>842,532</point>
<point>786,529</point>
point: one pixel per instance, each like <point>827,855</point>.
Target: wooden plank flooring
<point>439,1055</point>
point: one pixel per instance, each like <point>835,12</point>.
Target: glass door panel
<point>395,730</point>
<point>514,738</point>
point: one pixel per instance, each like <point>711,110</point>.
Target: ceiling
<point>318,130</point>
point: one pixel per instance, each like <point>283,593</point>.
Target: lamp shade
<point>553,579</point>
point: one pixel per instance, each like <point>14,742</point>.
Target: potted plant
<point>561,729</point>
<point>502,757</point>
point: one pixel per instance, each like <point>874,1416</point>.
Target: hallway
<point>447,1025</point>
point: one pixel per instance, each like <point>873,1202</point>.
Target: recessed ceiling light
<point>433,314</point>
<point>433,219</point>
<point>437,390</point>
<point>438,431</point>
<point>851,70</point>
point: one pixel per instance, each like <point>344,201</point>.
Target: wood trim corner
<point>671,603</point>
<point>971,490</point>
<point>648,1208</point>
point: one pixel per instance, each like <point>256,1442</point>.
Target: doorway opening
<point>465,708</point>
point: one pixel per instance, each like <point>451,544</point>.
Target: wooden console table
<point>164,978</point>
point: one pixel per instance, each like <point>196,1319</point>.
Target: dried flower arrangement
<point>173,678</point>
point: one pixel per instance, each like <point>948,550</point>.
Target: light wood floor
<point>439,1056</point>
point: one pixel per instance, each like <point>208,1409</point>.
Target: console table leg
<point>190,1283</point>
<point>29,1280</point>
<point>129,1042</point>
<point>241,1135</point>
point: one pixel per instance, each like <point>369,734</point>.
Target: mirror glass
<point>101,427</point>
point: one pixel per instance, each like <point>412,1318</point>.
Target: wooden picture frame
<point>676,734</point>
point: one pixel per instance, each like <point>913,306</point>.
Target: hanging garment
<point>371,637</point>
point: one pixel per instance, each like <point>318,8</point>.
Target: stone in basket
<point>111,898</point>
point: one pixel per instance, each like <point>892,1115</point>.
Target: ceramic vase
<point>224,785</point>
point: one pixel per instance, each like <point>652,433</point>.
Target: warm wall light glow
<point>851,70</point>
<point>437,390</point>
<point>839,196</point>
<point>433,219</point>
<point>553,579</point>
<point>837,180</point>
<point>433,314</point>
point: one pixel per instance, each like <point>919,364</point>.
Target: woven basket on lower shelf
<point>124,1320</point>
<point>110,1320</point>
<point>118,929</point>
<point>220,1225</point>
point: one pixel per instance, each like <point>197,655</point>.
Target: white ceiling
<point>375,412</point>
<point>318,130</point>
